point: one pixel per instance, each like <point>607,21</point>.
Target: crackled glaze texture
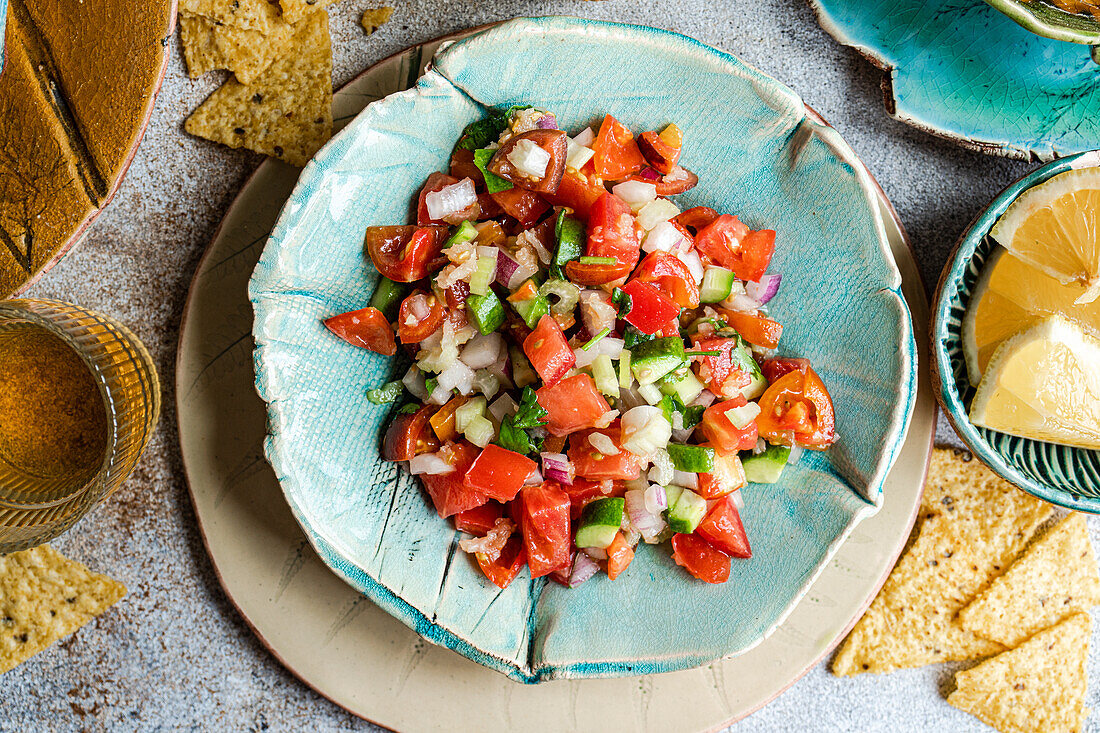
<point>963,70</point>
<point>1060,474</point>
<point>369,520</point>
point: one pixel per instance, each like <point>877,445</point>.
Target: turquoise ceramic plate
<point>963,70</point>
<point>758,154</point>
<point>1066,476</point>
<point>1050,21</point>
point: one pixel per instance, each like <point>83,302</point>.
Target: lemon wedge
<point>1010,296</point>
<point>1055,227</point>
<point>1044,384</point>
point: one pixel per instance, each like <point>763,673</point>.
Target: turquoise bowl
<point>1050,21</point>
<point>1068,477</point>
<point>758,154</point>
<point>962,70</point>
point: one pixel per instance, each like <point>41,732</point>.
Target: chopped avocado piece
<point>387,297</point>
<point>687,513</point>
<point>600,522</point>
<point>486,311</point>
<point>654,359</point>
<point>691,458</point>
<point>766,467</point>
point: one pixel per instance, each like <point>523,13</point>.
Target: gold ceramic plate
<point>70,121</point>
<point>368,662</point>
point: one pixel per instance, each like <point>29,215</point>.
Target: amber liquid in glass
<point>53,422</point>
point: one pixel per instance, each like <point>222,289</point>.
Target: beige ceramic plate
<point>366,661</point>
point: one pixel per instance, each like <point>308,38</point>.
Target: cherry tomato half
<point>658,153</point>
<point>409,435</point>
<point>592,274</point>
<point>612,231</point>
<point>670,274</point>
<point>699,558</point>
<point>722,528</point>
<point>552,142</point>
<point>754,328</point>
<point>617,155</point>
<point>405,254</point>
<point>420,315</point>
<point>798,406</point>
<point>366,328</point>
<point>731,244</point>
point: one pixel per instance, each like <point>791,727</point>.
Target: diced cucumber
<point>570,235</point>
<point>687,513</point>
<point>388,296</point>
<point>672,495</point>
<point>466,232</point>
<point>486,271</point>
<point>654,359</point>
<point>486,311</point>
<point>650,393</point>
<point>599,523</point>
<point>468,411</point>
<point>626,378</point>
<point>717,284</point>
<point>766,467</point>
<point>532,310</point>
<point>687,388</point>
<point>691,458</point>
<point>604,374</point>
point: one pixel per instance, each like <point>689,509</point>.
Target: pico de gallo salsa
<point>593,367</point>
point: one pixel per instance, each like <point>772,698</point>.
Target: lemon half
<point>1044,384</point>
<point>1055,227</point>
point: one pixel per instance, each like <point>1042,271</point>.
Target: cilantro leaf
<point>632,337</point>
<point>622,299</point>
<point>530,413</point>
<point>690,414</point>
<point>517,439</point>
<point>408,409</point>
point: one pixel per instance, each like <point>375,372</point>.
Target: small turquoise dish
<point>1062,475</point>
<point>1050,21</point>
<point>757,153</point>
<point>963,70</point>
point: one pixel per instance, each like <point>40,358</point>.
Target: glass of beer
<point>79,399</point>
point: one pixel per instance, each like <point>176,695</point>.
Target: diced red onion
<point>685,479</point>
<point>451,199</point>
<point>656,500</point>
<point>647,523</point>
<point>584,567</point>
<point>636,483</point>
<point>694,263</point>
<point>585,137</point>
<point>556,467</point>
<point>506,267</point>
<point>682,435</point>
<point>649,174</point>
<point>414,382</point>
<point>630,534</point>
<point>594,553</point>
<point>429,463</point>
<point>738,500</point>
<point>629,398</point>
<point>548,122</point>
<point>764,290</point>
<point>483,350</point>
<point>596,312</point>
<point>706,398</point>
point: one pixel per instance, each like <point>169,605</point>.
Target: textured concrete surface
<point>174,654</point>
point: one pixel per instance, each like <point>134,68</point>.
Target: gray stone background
<point>174,654</point>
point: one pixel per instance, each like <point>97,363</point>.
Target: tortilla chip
<point>375,18</point>
<point>45,596</point>
<point>1053,579</point>
<point>208,46</point>
<point>295,10</point>
<point>1040,685</point>
<point>246,14</point>
<point>287,111</point>
<point>956,555</point>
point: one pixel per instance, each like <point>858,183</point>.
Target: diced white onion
<point>414,382</point>
<point>685,479</point>
<point>585,137</point>
<point>451,199</point>
<point>584,358</point>
<point>596,553</point>
<point>738,500</point>
<point>529,158</point>
<point>429,463</point>
<point>645,430</point>
<point>596,312</point>
<point>635,193</point>
<point>741,303</point>
<point>664,237</point>
<point>630,398</point>
<point>655,212</point>
<point>577,155</point>
<point>662,470</point>
<point>603,444</point>
<point>457,376</point>
<point>743,415</point>
<point>706,398</point>
<point>534,478</point>
<point>606,419</point>
<point>503,407</point>
<point>483,350</point>
<point>796,454</point>
<point>486,383</point>
<point>636,483</point>
<point>694,264</point>
<point>439,395</point>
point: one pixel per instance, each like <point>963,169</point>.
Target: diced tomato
<point>462,166</point>
<point>490,209</point>
<point>405,253</point>
<point>366,328</point>
<point>650,309</point>
<point>546,527</point>
<point>408,436</point>
<point>457,294</point>
<point>499,473</point>
<point>695,218</point>
<point>436,182</point>
<point>572,404</point>
<point>523,205</point>
<point>480,520</point>
<point>678,181</point>
<point>583,491</point>
<point>448,491</point>
<point>797,407</point>
<point>658,153</point>
<point>619,555</point>
<point>443,421</point>
<point>589,463</point>
<point>721,431</point>
<point>548,351</point>
<point>612,231</point>
<point>722,376</point>
<point>561,575</point>
<point>776,367</point>
<point>578,192</point>
<point>527,291</point>
<point>617,154</point>
<point>552,142</point>
<point>729,242</point>
<point>670,274</point>
<point>722,528</point>
<point>728,475</point>
<point>696,555</point>
<point>505,568</point>
<point>594,274</point>
<point>754,328</point>
<point>413,326</point>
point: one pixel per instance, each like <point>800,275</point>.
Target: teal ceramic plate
<point>1066,476</point>
<point>1050,21</point>
<point>757,153</point>
<point>964,71</point>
